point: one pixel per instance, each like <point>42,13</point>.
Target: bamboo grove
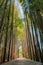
<point>16,31</point>
<point>6,26</point>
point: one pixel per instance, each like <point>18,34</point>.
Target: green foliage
<point>10,20</point>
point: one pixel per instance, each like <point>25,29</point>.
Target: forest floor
<point>22,61</point>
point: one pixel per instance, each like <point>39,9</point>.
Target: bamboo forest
<point>21,32</point>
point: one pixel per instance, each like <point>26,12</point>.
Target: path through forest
<point>22,62</point>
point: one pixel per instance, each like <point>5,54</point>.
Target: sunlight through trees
<point>21,30</point>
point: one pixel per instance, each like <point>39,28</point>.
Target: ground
<point>22,62</point>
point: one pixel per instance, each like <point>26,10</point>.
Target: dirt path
<point>22,62</point>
